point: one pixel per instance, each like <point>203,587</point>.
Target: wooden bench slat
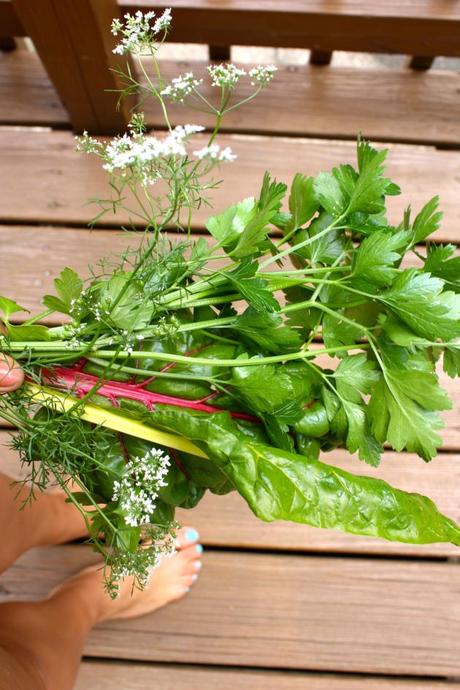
<point>226,521</point>
<point>99,675</point>
<point>418,27</point>
<point>406,106</point>
<point>410,26</point>
<point>44,180</point>
<point>299,612</point>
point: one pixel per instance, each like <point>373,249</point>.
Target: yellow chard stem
<point>63,402</point>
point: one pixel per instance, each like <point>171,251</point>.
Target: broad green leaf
<point>254,289</point>
<point>375,257</point>
<point>326,248</point>
<point>121,304</point>
<point>427,221</point>
<point>266,330</point>
<point>27,333</point>
<point>439,263</point>
<point>68,286</point>
<point>371,187</point>
<point>8,307</point>
<point>337,332</point>
<point>267,207</point>
<point>330,194</point>
<point>355,375</point>
<point>227,227</point>
<point>279,485</point>
<point>418,299</point>
<point>451,360</point>
<point>404,403</point>
<point>303,203</point>
<point>268,388</point>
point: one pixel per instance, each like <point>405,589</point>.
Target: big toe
<point>186,536</point>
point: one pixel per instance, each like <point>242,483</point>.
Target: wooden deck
<point>277,606</point>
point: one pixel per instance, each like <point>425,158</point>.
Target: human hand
<point>11,374</point>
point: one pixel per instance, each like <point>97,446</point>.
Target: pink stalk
<point>81,384</point>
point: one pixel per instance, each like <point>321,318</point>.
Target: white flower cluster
<point>87,144</point>
<point>136,150</point>
<point>215,152</point>
<point>225,75</point>
<point>139,488</point>
<point>137,31</point>
<point>262,74</point>
<point>181,87</point>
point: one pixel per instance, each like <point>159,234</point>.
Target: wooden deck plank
<point>406,105</point>
<point>416,27</point>
<point>43,179</point>
<point>99,675</point>
<point>318,614</point>
<point>226,521</point>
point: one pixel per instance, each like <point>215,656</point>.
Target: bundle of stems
<point>231,362</point>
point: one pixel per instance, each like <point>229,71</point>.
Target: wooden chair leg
<point>420,62</point>
<point>219,53</point>
<point>320,57</point>
<point>7,44</point>
<point>75,45</point>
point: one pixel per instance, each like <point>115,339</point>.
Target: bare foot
<point>170,581</point>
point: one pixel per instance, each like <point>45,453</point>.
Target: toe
<point>188,581</point>
<point>191,553</point>
<point>186,536</point>
<point>192,567</point>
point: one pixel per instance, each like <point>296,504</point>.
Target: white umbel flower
<point>225,75</point>
<point>262,74</point>
<point>137,32</point>
<point>137,492</point>
<point>181,87</point>
<point>214,152</point>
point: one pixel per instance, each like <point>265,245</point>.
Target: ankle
<point>83,594</point>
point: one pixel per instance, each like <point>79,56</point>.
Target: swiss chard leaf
<point>279,485</point>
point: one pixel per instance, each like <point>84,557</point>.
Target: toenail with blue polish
<point>199,548</point>
<point>192,535</point>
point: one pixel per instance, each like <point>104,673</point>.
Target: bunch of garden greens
<point>188,366</point>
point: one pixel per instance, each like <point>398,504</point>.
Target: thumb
<point>11,375</point>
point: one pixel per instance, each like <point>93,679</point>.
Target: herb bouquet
<point>187,366</point>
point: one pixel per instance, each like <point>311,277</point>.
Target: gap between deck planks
<point>226,521</point>
<point>43,179</point>
<point>406,105</point>
<point>277,611</point>
<point>99,675</point>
